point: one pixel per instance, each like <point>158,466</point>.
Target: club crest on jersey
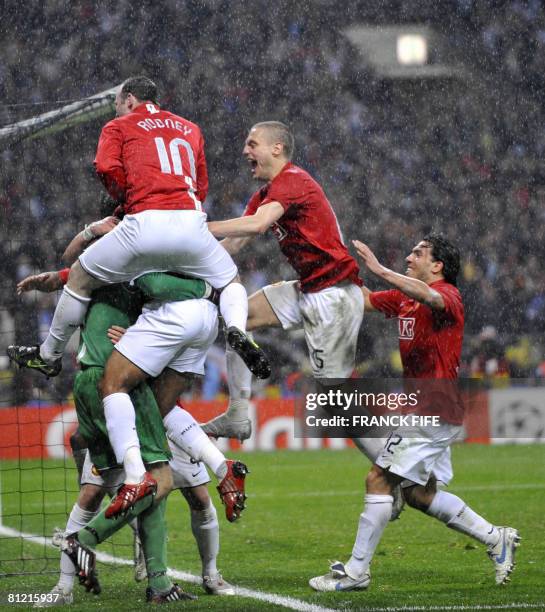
<point>279,232</point>
<point>406,328</point>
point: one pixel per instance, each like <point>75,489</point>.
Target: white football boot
<point>338,580</point>
<point>502,554</point>
<point>216,585</point>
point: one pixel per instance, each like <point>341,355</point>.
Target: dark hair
<point>107,205</point>
<point>281,133</point>
<point>445,252</point>
<point>141,88</point>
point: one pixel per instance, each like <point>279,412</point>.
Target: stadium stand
<point>394,162</point>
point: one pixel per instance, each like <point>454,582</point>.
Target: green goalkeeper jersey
<point>121,304</point>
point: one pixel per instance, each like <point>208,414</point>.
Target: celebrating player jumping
<point>152,161</point>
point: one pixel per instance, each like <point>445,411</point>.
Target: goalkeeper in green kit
<point>112,308</point>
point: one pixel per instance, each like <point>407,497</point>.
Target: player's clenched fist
<point>46,281</point>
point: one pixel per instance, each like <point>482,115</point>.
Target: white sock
<point>121,425</point>
<point>234,305</point>
<point>68,316</point>
<point>457,515</point>
<point>239,380</point>
<point>373,520</point>
<point>206,529</point>
<point>370,447</point>
<point>186,433</point>
<point>77,520</point>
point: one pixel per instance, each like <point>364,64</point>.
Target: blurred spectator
<point>396,160</point>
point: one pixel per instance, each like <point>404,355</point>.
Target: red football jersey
<point>430,341</point>
<point>308,232</point>
<point>153,159</point>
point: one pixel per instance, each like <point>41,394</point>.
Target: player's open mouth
<point>253,165</point>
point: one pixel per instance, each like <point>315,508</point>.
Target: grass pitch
<point>302,510</point>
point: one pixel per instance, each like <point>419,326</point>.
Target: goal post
<point>79,111</point>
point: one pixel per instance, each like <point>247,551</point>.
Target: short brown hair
<point>141,88</point>
<point>281,133</point>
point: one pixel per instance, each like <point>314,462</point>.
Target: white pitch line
<point>509,606</point>
<point>279,600</point>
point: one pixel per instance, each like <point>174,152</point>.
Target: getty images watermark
<point>375,407</point>
<point>336,399</point>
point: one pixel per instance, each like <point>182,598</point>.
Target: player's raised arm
<point>249,225</point>
<point>413,287</point>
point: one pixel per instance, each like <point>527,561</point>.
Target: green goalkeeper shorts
<point>92,424</point>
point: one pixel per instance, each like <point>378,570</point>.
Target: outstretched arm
<point>250,225</point>
<point>46,282</point>
<point>414,288</point>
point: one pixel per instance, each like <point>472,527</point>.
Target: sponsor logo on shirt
<point>279,232</point>
<point>406,328</point>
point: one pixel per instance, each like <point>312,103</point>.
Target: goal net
<point>48,191</point>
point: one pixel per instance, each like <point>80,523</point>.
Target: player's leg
<point>79,546</point>
<point>184,431</point>
<point>84,510</point>
<point>191,478</point>
<point>205,528</point>
<point>355,575</point>
<point>332,320</point>
<point>234,423</point>
<point>501,542</point>
<point>79,452</point>
<point>120,377</point>
<point>153,535</point>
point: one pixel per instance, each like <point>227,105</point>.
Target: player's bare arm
<point>251,225</point>
<point>416,289</point>
<point>82,240</point>
<point>46,282</point>
<point>368,307</point>
<point>234,245</point>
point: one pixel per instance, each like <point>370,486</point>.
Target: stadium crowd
<point>396,159</point>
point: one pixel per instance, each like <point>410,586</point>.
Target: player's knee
<point>80,281</point>
<point>163,476</point>
<point>197,498</point>
<point>90,497</point>
<point>109,384</point>
<point>417,497</point>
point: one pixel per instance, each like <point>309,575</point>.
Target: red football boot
<point>128,494</point>
<point>231,489</point>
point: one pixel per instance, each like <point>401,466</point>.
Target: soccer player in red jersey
<point>430,316</point>
<point>325,301</point>
<point>153,162</point>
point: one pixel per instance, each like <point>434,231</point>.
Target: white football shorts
<point>171,334</point>
<point>331,319</point>
<point>186,472</point>
<point>110,479</point>
<point>414,453</point>
<point>159,241</point>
